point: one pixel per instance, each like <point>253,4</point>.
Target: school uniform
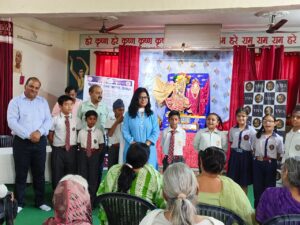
<point>113,142</point>
<point>292,145</point>
<point>265,163</point>
<point>205,138</point>
<point>64,147</point>
<point>89,162</point>
<point>241,158</point>
<point>172,143</point>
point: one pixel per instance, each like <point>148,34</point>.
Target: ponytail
<point>125,179</point>
<point>183,212</point>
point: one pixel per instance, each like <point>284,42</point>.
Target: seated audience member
<point>71,202</point>
<point>72,92</point>
<point>180,190</point>
<point>218,190</point>
<point>135,177</point>
<point>8,206</point>
<point>277,201</point>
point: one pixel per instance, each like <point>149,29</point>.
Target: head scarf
<point>71,202</point>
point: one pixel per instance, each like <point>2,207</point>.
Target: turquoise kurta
<point>141,129</point>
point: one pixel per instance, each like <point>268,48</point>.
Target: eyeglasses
<point>268,121</point>
<point>143,97</point>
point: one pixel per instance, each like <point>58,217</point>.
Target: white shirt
<point>274,145</point>
<point>204,139</point>
<point>115,138</point>
<point>242,138</point>
<point>292,144</point>
<point>97,137</point>
<point>179,140</point>
<point>59,129</point>
<point>157,217</point>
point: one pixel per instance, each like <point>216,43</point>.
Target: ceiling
<point>231,19</point>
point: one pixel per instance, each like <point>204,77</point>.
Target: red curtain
<point>273,64</point>
<point>129,60</point>
<point>291,72</point>
<point>270,63</point>
<point>6,72</point>
<point>107,64</point>
<point>243,69</point>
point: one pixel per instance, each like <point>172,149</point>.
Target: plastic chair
<point>6,141</point>
<point>226,216</point>
<point>290,219</point>
<point>124,209</point>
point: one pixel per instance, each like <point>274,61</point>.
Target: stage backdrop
<point>218,65</point>
<point>266,97</point>
<point>78,67</point>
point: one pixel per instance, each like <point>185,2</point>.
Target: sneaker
<point>19,209</point>
<point>45,208</point>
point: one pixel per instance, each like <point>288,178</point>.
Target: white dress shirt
<point>242,138</point>
<point>179,140</point>
<point>273,144</point>
<point>205,138</point>
<point>97,137</point>
<point>117,135</point>
<point>59,129</point>
<point>292,144</point>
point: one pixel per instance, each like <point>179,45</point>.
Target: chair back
<point>290,219</point>
<point>226,216</point>
<point>124,209</point>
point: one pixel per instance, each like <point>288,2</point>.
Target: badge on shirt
<point>297,147</point>
<point>246,137</point>
<point>271,147</point>
<point>95,141</point>
<point>73,129</point>
<point>218,143</point>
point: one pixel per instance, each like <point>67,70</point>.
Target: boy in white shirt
<point>63,139</point>
<point>292,140</point>
<point>114,132</point>
<point>91,144</point>
<point>173,140</point>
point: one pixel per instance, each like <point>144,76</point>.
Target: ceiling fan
<point>107,30</point>
<point>274,27</point>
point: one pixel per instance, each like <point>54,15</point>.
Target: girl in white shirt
<point>211,136</point>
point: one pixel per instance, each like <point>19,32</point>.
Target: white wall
<point>46,63</point>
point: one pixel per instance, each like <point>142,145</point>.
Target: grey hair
<point>180,189</point>
<point>292,165</point>
<point>76,178</point>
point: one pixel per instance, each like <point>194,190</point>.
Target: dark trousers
<point>175,160</point>
<point>113,155</point>
<point>91,169</point>
<point>30,155</point>
<point>62,163</point>
<point>264,176</point>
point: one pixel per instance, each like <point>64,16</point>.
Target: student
<point>63,137</point>
<point>241,159</point>
<point>211,136</point>
<point>292,140</point>
<point>173,140</point>
<point>114,132</point>
<point>267,147</point>
<point>91,143</point>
